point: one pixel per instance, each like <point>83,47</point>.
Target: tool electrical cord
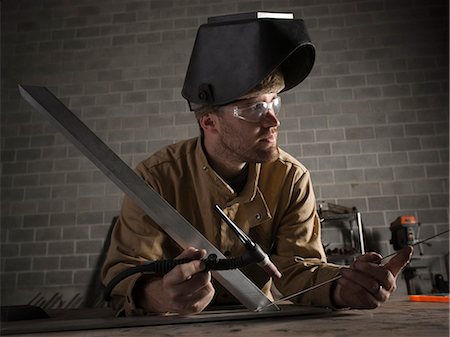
<point>162,267</point>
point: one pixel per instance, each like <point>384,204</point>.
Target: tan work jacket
<point>276,207</point>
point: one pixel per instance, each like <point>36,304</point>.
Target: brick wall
<point>371,121</point>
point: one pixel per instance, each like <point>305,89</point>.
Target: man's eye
<point>259,108</point>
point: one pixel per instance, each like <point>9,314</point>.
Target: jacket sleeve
<point>298,250</point>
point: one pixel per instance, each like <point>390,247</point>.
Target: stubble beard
<point>235,147</point>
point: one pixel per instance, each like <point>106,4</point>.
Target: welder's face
<point>248,128</point>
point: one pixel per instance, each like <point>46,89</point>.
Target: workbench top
<point>396,318</point>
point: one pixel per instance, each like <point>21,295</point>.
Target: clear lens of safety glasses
<point>256,111</point>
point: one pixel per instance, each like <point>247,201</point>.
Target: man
<point>238,68</point>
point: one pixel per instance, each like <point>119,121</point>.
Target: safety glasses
<point>255,112</point>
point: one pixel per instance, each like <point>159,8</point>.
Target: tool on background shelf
<point>342,218</point>
<point>405,231</point>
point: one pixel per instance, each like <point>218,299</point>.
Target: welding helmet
<point>233,54</point>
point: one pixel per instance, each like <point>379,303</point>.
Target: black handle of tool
<point>162,267</point>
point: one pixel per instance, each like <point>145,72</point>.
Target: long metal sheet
<point>175,225</point>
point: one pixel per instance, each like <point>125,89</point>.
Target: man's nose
<point>270,120</point>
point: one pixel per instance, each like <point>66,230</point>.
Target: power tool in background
<point>405,230</point>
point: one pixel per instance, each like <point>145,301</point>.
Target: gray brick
<point>414,202</point>
<point>88,218</point>
<point>89,246</point>
<point>66,191</point>
<point>417,157</point>
<point>26,180</point>
<point>91,190</point>
<point>439,200</point>
<point>409,172</point>
<point>33,249</point>
<point>363,190</point>
<point>51,178</point>
<point>48,234</point>
<point>320,149</point>
<point>30,279</point>
<point>39,166</point>
<point>66,165</point>
<point>8,280</point>
<point>348,147</point>
<point>58,278</point>
<point>310,97</point>
<point>375,146</point>
<point>429,186</point>
<point>28,154</point>
<point>391,159</point>
<point>16,194</point>
<point>39,220</point>
<point>434,142</point>
<point>21,235</point>
<point>98,231</point>
<point>367,93</point>
<point>9,249</point>
<point>349,176</point>
<point>45,263</point>
<point>405,144</point>
<point>49,206</point>
<point>371,118</point>
<point>419,129</point>
<point>62,219</point>
<point>330,135</point>
<point>61,248</point>
<point>379,174</point>
<point>293,149</point>
<point>359,133</point>
<point>135,97</point>
<point>432,115</point>
<point>441,170</point>
<point>82,277</point>
<point>14,168</point>
<point>73,262</point>
<point>397,188</point>
<point>338,95</point>
<point>335,191</point>
<point>382,203</point>
<point>75,233</point>
<point>322,177</point>
<point>332,162</point>
<point>17,264</point>
<point>433,216</point>
<point>300,137</point>
<point>362,160</point>
<point>79,177</point>
<point>133,147</point>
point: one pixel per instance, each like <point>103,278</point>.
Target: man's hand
<point>367,284</point>
<point>186,289</point>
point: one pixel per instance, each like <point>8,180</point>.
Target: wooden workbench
<point>397,318</point>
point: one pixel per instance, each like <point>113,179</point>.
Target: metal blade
<point>175,225</point>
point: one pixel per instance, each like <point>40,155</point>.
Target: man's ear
<point>209,123</point>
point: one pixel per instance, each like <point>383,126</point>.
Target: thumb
<point>400,260</point>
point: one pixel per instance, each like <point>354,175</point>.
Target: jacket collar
<point>250,190</point>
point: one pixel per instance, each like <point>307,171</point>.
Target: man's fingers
<point>184,272</point>
<point>192,253</point>
<point>401,259</point>
<point>369,257</point>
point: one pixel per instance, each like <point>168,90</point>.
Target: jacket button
<point>258,216</point>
